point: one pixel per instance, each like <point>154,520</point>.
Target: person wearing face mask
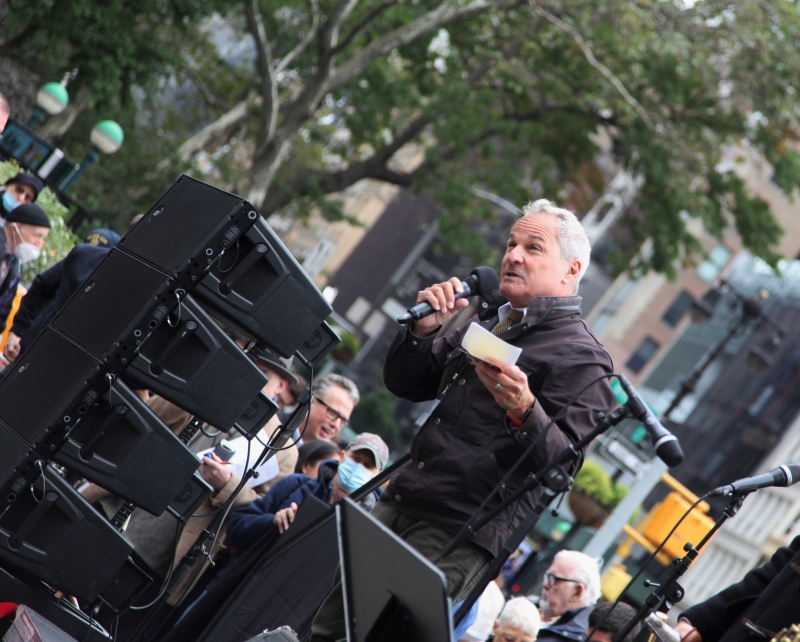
<point>364,458</point>
<point>18,190</point>
<point>24,232</point>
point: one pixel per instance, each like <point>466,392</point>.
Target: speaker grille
<point>12,454</point>
<point>176,227</point>
<point>111,299</point>
<point>43,383</point>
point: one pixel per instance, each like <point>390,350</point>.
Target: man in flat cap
<point>25,229</point>
<point>18,190</point>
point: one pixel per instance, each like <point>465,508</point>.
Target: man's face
<point>329,414</point>
<point>510,634</point>
<point>277,382</point>
<point>532,265</point>
<point>21,192</point>
<point>361,456</point>
<point>33,234</point>
<point>560,591</point>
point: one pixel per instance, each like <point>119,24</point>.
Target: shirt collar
<point>503,311</point>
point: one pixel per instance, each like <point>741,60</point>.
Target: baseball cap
<point>102,237</point>
<point>373,443</point>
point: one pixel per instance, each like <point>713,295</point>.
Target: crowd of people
<point>485,416</point>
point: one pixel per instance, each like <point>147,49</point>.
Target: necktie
<point>513,317</point>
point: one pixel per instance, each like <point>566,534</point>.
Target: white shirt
<point>503,311</point>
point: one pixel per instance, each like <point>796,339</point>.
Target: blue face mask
<point>8,202</point>
<point>352,475</point>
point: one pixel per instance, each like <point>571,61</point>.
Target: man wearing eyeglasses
<point>570,588</point>
<point>335,397</point>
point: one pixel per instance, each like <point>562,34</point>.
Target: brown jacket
<point>467,445</point>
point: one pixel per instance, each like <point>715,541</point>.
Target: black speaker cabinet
<point>197,367</point>
<point>119,444</point>
<point>256,415</point>
<point>52,534</point>
<point>260,287</point>
<point>188,229</point>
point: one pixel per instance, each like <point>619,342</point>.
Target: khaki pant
<point>461,569</point>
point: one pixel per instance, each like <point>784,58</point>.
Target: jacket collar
<point>539,308</point>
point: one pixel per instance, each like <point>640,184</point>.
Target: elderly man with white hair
<point>490,412</point>
<point>570,589</point>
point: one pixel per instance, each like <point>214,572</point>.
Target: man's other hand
<point>508,385</point>
<point>284,518</point>
<point>442,298</point>
<point>11,351</point>
<point>215,472</point>
<point>687,632</point>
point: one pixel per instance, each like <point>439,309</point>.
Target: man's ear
<point>494,626</point>
<point>573,271</point>
<point>580,591</point>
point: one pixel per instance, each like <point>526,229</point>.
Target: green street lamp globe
<point>107,136</point>
<point>52,98</point>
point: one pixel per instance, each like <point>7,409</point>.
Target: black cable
<point>646,562</point>
<point>169,572</point>
<point>89,628</point>
<point>203,430</point>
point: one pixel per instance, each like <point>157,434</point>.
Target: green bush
<point>595,482</point>
<point>60,240</point>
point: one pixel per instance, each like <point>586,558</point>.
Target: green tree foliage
<point>59,241</point>
<point>508,96</point>
<point>595,482</point>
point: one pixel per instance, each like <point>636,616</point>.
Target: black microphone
<point>781,476</point>
<point>666,444</point>
<point>482,280</point>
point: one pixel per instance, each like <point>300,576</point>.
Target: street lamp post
<point>106,138</point>
<point>52,99</point>
<point>751,310</point>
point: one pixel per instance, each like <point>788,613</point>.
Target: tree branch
<point>330,32</point>
<point>231,119</point>
<point>446,12</point>
<point>288,59</point>
<point>208,97</point>
<point>269,86</point>
<point>363,23</point>
<point>587,52</point>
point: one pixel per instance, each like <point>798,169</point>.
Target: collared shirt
<point>503,311</point>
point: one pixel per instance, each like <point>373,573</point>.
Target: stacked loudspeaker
<point>150,316</point>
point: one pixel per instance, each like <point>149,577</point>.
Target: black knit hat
<point>28,179</point>
<point>29,214</point>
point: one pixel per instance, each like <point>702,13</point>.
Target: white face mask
<point>25,251</point>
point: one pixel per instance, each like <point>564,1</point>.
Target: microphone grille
<point>486,280</point>
<point>792,472</point>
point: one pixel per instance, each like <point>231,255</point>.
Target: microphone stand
<point>555,480</point>
<point>552,471</point>
<point>669,592</point>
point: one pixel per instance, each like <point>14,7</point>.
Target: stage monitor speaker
<point>256,415</point>
<point>318,345</point>
<point>188,229</point>
<point>128,583</point>
<point>192,363</point>
<point>259,287</point>
<point>51,533</point>
<point>121,445</point>
<point>188,499</point>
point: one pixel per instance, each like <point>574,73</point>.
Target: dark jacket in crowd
<point>468,445</point>
<point>570,627</point>
<point>764,602</point>
<point>10,279</point>
<point>52,288</point>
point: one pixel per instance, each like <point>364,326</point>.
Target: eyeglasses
<point>331,414</point>
<point>550,579</point>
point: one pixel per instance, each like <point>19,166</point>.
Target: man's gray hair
<point>587,572</point>
<point>571,235</point>
<point>323,385</point>
<point>519,613</point>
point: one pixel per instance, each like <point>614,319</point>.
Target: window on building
<point>717,259</point>
<point>679,307</point>
<point>647,348</point>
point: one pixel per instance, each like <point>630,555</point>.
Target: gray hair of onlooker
<point>323,385</point>
<point>519,613</point>
<point>571,235</point>
<point>587,572</point>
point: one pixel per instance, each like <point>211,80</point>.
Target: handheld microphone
<point>781,476</point>
<point>666,444</point>
<point>482,280</point>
